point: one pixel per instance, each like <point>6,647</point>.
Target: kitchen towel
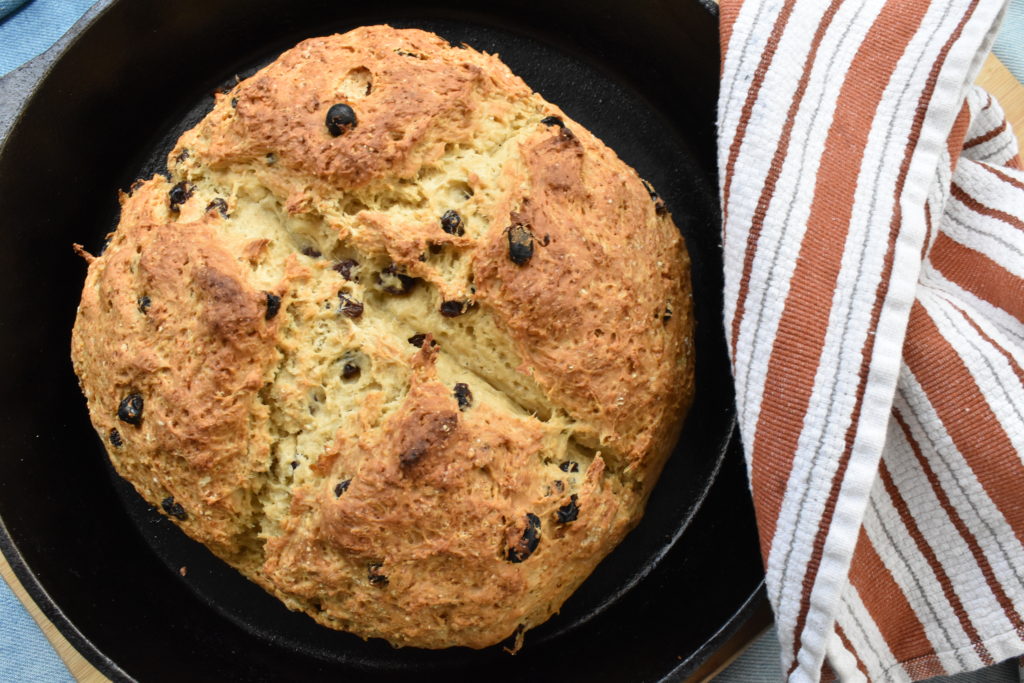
<point>873,235</point>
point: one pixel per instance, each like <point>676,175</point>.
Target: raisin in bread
<point>397,339</point>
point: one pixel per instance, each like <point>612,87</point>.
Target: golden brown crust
<point>414,93</point>
<point>418,428</point>
<point>168,315</point>
<point>598,348</point>
<point>438,530</point>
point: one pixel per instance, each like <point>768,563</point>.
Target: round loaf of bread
<point>397,339</point>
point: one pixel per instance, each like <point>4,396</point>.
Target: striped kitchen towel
<point>873,206</point>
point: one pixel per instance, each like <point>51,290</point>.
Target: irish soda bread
<point>397,339</point>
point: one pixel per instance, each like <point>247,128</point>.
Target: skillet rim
<point>16,91</point>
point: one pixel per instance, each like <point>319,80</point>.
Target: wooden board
<point>998,80</point>
<point>994,77</point>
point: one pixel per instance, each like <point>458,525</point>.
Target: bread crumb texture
<point>415,372</point>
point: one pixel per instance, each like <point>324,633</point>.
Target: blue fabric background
<point>37,25</point>
<point>1009,46</point>
<point>25,654</point>
<point>8,6</point>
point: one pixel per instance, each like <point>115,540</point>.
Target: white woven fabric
<point>873,209</point>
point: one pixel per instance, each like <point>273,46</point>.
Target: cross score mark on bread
<point>414,347</point>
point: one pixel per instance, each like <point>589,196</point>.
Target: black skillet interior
<point>642,76</point>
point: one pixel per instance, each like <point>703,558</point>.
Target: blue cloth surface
<point>8,6</point>
<point>1009,45</point>
<point>34,27</point>
<point>26,655</point>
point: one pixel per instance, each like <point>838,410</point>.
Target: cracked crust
<point>320,446</point>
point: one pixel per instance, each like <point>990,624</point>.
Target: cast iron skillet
<point>105,567</point>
